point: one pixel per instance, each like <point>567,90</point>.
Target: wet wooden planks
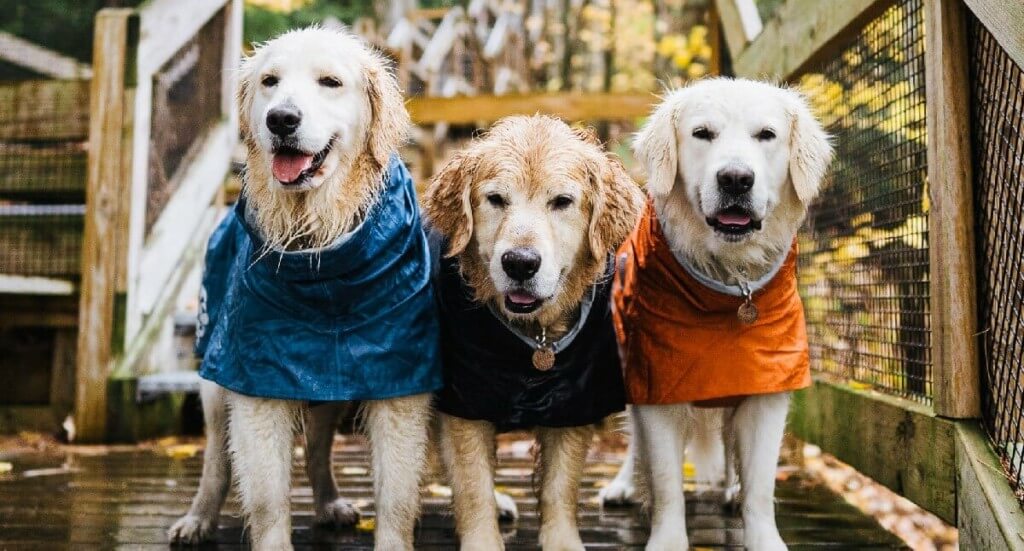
<point>127,499</point>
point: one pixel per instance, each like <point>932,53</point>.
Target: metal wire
<point>998,127</point>
<point>864,254</point>
<point>186,103</point>
<point>43,135</point>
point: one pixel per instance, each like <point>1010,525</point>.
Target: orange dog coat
<point>681,341</point>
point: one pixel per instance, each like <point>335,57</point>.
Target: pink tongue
<point>733,219</point>
<point>518,297</point>
<point>288,166</point>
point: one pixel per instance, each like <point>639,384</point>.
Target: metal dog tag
<point>543,358</point>
<point>747,313</point>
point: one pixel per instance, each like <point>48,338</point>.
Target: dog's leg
<point>759,423</point>
<point>563,452</point>
<point>622,490</point>
<point>262,433</point>
<point>731,496</point>
<point>467,448</point>
<point>200,522</point>
<point>706,450</point>
<point>397,428</point>
<point>662,432</point>
<point>320,424</point>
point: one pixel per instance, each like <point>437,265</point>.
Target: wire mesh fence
<point>864,254</point>
<point>998,141</point>
<point>43,135</point>
<point>186,103</point>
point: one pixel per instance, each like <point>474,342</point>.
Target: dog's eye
<point>765,135</point>
<point>561,202</point>
<point>329,82</point>
<point>496,200</point>
<point>702,133</point>
<point>269,81</point>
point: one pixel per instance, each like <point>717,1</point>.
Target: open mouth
<point>521,302</point>
<point>293,167</point>
<point>734,221</point>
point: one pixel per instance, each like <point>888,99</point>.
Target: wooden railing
<point>131,278</point>
<point>935,454</point>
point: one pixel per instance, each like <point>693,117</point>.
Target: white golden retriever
<point>321,115</point>
<point>732,166</point>
<point>529,213</point>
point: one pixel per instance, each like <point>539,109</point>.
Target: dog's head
<point>747,156</point>
<point>532,209</point>
<point>312,102</point>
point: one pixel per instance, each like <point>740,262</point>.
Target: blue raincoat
<point>352,321</point>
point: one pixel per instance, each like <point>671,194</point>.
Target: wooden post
<point>954,314</point>
<point>741,23</point>
<point>106,217</point>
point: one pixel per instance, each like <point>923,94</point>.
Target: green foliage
<point>262,24</point>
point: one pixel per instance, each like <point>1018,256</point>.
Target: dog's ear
<point>617,205</point>
<point>244,94</point>
<point>448,204</point>
<point>656,148</point>
<point>810,152</point>
<point>390,125</point>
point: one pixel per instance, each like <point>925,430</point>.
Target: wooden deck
<point>127,497</point>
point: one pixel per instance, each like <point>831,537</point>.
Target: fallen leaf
<point>438,490</point>
<point>6,467</point>
<point>366,525</point>
<point>182,451</point>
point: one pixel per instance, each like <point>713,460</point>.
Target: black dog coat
<point>489,373</point>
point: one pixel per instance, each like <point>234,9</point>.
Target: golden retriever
<point>732,168</point>
<point>321,117</point>
<point>529,214</point>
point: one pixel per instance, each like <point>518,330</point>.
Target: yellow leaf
<point>438,490</point>
<point>6,467</point>
<point>182,451</point>
<point>857,385</point>
<point>366,525</point>
<point>689,471</point>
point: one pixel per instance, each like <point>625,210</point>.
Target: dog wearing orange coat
<point>708,318</point>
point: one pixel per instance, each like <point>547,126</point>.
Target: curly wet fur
<point>314,219</point>
<point>522,151</point>
<point>519,148</point>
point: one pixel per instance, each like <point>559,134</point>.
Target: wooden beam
<point>106,202</point>
<point>954,319</point>
<point>41,60</point>
<point>571,106</point>
<point>801,32</point>
<point>988,514</point>
<point>901,444</point>
<point>1005,20</point>
<point>741,23</point>
<point>67,110</point>
<point>166,25</point>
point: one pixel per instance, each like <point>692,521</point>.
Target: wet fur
<point>525,151</point>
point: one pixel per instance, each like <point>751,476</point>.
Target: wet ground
<point>101,498</point>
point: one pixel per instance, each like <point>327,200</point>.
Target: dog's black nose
<point>520,263</point>
<point>284,119</point>
<point>735,179</point>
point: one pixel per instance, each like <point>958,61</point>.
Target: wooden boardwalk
<point>126,498</point>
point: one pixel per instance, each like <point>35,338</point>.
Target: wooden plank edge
<point>733,27</point>
<point>571,106</point>
<point>858,426</point>
<point>988,513</point>
<point>953,293</point>
<point>36,285</point>
<point>828,25</point>
<point>1005,20</point>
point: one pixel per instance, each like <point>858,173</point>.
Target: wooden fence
<point>922,439</point>
<point>146,223</point>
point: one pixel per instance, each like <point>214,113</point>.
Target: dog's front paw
<point>561,539</point>
<point>507,509</point>
<point>672,539</point>
<point>482,542</point>
<point>191,530</point>
<point>337,514</point>
<point>617,492</point>
<point>731,498</point>
<point>766,538</point>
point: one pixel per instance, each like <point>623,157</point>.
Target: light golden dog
<point>531,212</point>
<point>321,115</point>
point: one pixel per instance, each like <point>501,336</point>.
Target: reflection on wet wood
<point>130,497</point>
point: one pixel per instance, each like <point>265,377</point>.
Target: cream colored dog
<point>531,211</point>
<point>320,115</point>
<point>732,167</point>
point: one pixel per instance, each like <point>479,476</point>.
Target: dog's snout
<point>520,263</point>
<point>284,119</point>
<point>735,179</point>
